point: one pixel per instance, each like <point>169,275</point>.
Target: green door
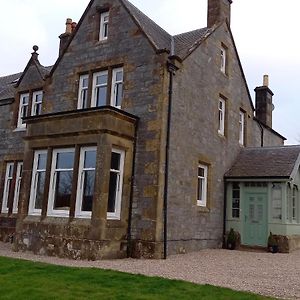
<point>255,219</point>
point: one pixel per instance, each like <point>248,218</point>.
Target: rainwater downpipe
<point>171,69</point>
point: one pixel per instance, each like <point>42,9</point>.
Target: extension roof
<point>266,162</point>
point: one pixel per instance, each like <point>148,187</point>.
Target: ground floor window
<point>115,184</point>
<point>86,182</point>
<point>61,179</point>
<point>276,201</point>
<point>202,185</point>
<point>12,184</point>
<point>38,182</point>
<point>236,200</point>
<point>294,203</point>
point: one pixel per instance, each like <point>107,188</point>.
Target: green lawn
<point>27,280</point>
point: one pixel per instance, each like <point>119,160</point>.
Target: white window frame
<point>241,128</point>
<point>203,201</point>
<point>35,171</point>
<point>95,86</point>
<point>104,25</point>
<point>17,187</point>
<point>223,59</point>
<point>114,85</point>
<point>78,212</point>
<point>81,90</point>
<point>50,211</point>
<point>222,112</point>
<point>35,102</point>
<point>119,190</point>
<point>294,204</point>
<point>7,191</point>
<point>20,123</point>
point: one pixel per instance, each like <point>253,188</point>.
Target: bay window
<point>83,92</point>
<point>61,178</point>
<point>86,182</point>
<point>17,186</point>
<point>115,184</point>
<point>38,182</point>
<point>117,87</point>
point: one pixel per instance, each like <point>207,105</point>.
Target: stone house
<point>121,148</point>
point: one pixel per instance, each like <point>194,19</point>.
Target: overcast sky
<point>265,31</point>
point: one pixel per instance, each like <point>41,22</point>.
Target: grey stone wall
<point>194,138</point>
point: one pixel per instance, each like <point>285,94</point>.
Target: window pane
<point>63,190</point>
<point>88,190</point>
<point>85,82</point>
<point>119,76</point>
<point>65,160</point>
<point>84,98</point>
<point>115,161</point>
<point>201,172</point>
<point>200,189</point>
<point>119,94</point>
<point>101,79</point>
<point>236,194</point>
<point>42,161</point>
<point>90,159</point>
<point>25,100</point>
<point>40,190</point>
<point>101,96</point>
<point>236,203</point>
<point>112,192</point>
<point>235,213</point>
<point>10,170</point>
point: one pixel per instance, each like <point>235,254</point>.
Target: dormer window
<point>104,19</point>
<point>37,100</point>
<point>223,59</point>
<point>23,110</point>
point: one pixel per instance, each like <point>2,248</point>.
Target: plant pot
<point>231,245</point>
<point>274,249</point>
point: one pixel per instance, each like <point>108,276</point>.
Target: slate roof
<point>183,43</point>
<point>266,162</point>
<point>7,84</point>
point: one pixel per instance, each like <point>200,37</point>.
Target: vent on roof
<point>15,81</point>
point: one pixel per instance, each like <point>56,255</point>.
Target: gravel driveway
<point>263,273</point>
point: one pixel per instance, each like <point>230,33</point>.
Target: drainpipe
<point>131,193</point>
<point>172,68</point>
<point>225,211</point>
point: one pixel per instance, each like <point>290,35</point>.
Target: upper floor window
<point>222,109</point>
<point>29,105</point>
<point>117,87</point>
<point>83,92</point>
<point>99,92</point>
<point>37,100</point>
<point>23,110</point>
<point>104,19</point>
<point>107,89</point>
<point>223,65</point>
<point>242,128</point>
<point>202,185</point>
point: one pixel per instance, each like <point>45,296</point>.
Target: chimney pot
<point>69,25</point>
<point>266,80</point>
<point>73,25</point>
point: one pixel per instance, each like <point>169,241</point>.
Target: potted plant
<point>231,239</point>
<point>272,244</point>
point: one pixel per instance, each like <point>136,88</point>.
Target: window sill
<point>203,209</point>
<point>19,129</point>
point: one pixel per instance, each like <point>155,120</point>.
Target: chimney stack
<point>218,11</point>
<point>64,38</point>
<point>264,103</point>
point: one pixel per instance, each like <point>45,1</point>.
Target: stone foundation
<point>7,229</point>
<point>288,244</point>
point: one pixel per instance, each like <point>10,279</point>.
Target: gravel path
<point>276,275</point>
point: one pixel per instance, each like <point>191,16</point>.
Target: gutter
<point>172,68</point>
<point>129,237</point>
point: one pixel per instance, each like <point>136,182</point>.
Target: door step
<point>253,248</point>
